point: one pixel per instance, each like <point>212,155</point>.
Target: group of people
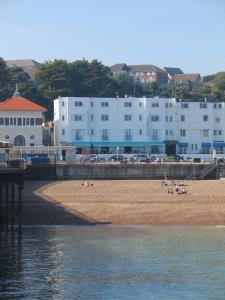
<point>179,186</point>
<point>87,184</point>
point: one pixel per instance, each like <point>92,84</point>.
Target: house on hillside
<point>187,80</point>
<point>29,66</point>
<point>171,72</point>
<point>142,73</point>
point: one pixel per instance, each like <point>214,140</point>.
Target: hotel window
<point>104,104</point>
<point>155,135</point>
<point>140,117</point>
<point>182,118</point>
<point>171,104</point>
<point>171,119</point>
<point>205,133</point>
<point>77,118</point>
<point>92,117</point>
<point>63,104</point>
<point>203,105</point>
<point>104,117</point>
<point>127,118</point>
<point>154,118</point>
<point>167,105</point>
<point>105,135</point>
<point>215,132</point>
<point>217,119</point>
<point>63,118</point>
<point>92,104</point>
<point>63,131</point>
<point>78,103</point>
<point>14,121</point>
<point>92,131</point>
<point>24,122</point>
<point>6,121</point>
<point>167,118</point>
<point>219,105</point>
<point>214,105</point>
<point>155,104</point>
<point>127,104</point>
<point>78,134</point>
<point>27,121</point>
<point>171,132</point>
<point>205,118</point>
<point>167,132</point>
<point>184,105</point>
<point>182,132</point>
<point>11,121</point>
<point>140,104</point>
<point>140,131</point>
<point>128,135</point>
<point>19,121</point>
<point>31,121</point>
<point>219,132</point>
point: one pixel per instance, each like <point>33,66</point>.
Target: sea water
<point>113,262</point>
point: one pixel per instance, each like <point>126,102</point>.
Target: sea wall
<point>126,171</point>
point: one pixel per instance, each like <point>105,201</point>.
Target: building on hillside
<point>187,80</point>
<point>142,73</point>
<point>153,125</point>
<point>171,72</point>
<point>29,66</point>
<point>21,121</point>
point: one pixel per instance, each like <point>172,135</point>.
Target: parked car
<point>91,158</point>
<point>174,158</point>
<point>141,158</point>
<point>118,157</point>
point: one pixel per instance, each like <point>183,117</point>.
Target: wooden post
<point>12,196</point>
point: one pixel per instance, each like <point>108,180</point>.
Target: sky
<point>166,33</point>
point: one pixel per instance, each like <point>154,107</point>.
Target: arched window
<point>19,140</point>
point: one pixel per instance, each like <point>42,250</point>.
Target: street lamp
<point>117,153</point>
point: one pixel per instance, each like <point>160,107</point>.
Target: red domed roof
<point>20,103</point>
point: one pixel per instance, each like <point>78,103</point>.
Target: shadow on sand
<point>39,210</point>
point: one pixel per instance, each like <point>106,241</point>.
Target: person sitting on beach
<point>170,191</point>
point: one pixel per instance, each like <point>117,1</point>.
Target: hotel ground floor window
<point>128,150</point>
<point>105,150</point>
<point>182,150</point>
<point>155,150</point>
<point>205,150</point>
<point>219,150</point>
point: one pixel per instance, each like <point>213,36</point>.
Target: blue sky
<point>178,33</point>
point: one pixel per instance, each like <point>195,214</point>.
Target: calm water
<point>114,262</point>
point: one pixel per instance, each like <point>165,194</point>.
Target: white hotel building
<point>152,125</point>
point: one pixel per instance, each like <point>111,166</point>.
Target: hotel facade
<point>134,125</point>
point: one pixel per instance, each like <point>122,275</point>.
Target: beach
<point>127,202</point>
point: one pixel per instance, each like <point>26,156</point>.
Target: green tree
<point>5,80</point>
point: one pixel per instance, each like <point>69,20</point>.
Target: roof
<point>119,67</point>
<point>22,63</point>
<point>20,103</point>
<point>173,71</point>
<point>29,66</point>
<point>182,78</point>
<point>145,68</point>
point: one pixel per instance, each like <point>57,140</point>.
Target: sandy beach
<point>131,202</point>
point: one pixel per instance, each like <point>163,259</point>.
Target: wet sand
<point>132,202</point>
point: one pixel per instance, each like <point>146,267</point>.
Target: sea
<point>112,262</point>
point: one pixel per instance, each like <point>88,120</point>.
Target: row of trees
<point>92,79</point>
